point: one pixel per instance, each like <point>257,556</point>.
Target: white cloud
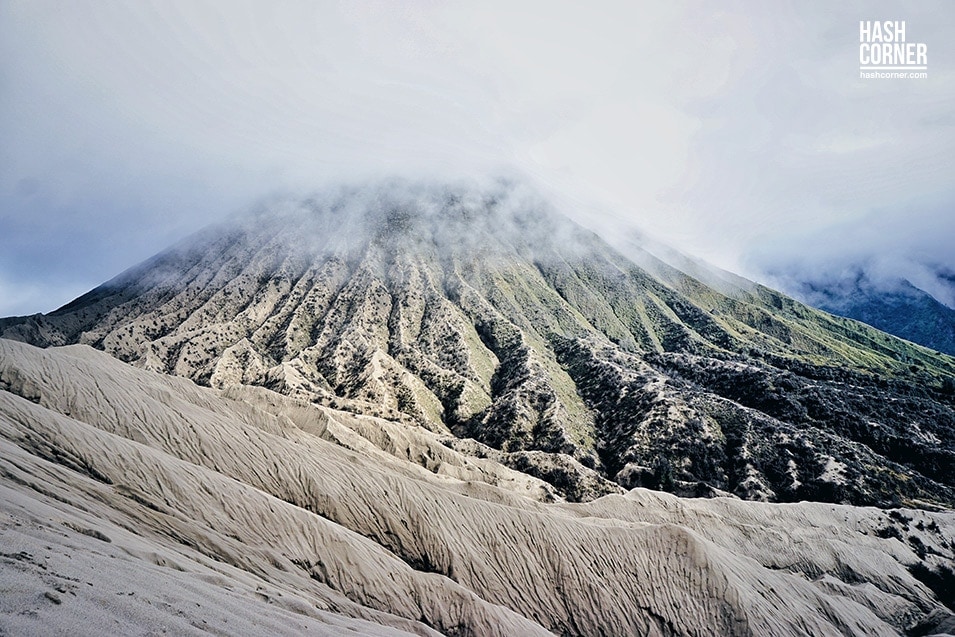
<point>714,127</point>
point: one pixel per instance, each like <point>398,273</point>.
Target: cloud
<point>797,144</point>
<point>887,247</point>
<point>715,128</point>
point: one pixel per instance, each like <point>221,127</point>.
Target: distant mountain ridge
<point>483,315</point>
<point>899,308</point>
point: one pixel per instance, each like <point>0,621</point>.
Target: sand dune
<point>134,502</point>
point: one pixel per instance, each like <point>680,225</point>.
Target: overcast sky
<point>739,132</point>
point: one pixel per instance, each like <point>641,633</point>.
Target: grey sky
<point>736,131</point>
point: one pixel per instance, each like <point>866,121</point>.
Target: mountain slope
<point>247,500</point>
<point>483,314</point>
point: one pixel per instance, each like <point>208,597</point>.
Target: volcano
<point>486,316</point>
<point>481,404</point>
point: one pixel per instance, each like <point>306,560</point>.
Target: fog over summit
<point>716,131</point>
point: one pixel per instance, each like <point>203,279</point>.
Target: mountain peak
<point>479,312</point>
<point>497,217</point>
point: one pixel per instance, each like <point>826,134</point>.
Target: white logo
<point>883,47</point>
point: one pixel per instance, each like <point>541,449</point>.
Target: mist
<point>717,130</point>
<point>477,219</point>
<point>883,251</point>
